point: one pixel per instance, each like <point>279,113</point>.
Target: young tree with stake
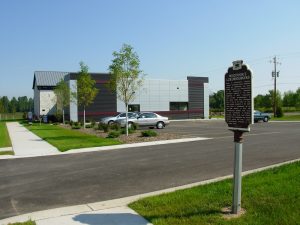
<point>125,76</point>
<point>62,92</point>
<point>86,90</point>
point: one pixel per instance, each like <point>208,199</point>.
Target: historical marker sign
<point>238,116</point>
<point>238,96</point>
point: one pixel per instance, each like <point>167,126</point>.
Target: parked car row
<point>144,119</point>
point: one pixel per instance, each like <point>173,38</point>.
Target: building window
<point>180,106</point>
<point>134,108</point>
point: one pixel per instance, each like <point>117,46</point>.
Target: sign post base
<point>237,173</point>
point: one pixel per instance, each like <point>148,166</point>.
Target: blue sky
<point>173,39</point>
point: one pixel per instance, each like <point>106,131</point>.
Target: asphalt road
<point>33,184</point>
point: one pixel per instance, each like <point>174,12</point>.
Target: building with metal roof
<point>187,98</point>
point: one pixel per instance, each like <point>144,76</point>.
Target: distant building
<point>177,99</point>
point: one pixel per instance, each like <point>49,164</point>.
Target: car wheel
<point>160,125</point>
<point>266,119</point>
<point>110,123</point>
<point>130,125</point>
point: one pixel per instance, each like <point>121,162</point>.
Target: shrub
<point>130,131</point>
<point>55,118</point>
<point>148,133</point>
<point>113,134</point>
<point>135,126</point>
<point>71,122</point>
<point>115,126</point>
<point>279,112</point>
<point>24,115</point>
<point>76,126</point>
<point>104,127</point>
<point>89,126</point>
<point>93,123</point>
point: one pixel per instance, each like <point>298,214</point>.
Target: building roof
<point>48,78</point>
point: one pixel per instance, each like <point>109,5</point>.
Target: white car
<point>111,119</point>
<point>146,119</point>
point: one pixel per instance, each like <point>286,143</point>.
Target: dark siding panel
<point>196,96</point>
<point>105,102</point>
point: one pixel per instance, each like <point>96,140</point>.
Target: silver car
<point>146,119</point>
<point>111,119</point>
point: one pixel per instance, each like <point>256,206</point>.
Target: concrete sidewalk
<point>25,143</point>
<point>113,216</point>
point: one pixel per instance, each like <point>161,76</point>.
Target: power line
<point>257,60</point>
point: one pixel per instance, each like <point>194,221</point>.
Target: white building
<point>173,98</point>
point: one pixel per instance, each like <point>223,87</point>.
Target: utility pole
<point>275,74</point>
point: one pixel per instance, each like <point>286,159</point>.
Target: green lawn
<point>4,137</point>
<point>288,118</point>
<point>269,197</point>
<point>65,139</point>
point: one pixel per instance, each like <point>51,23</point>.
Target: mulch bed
<point>132,138</point>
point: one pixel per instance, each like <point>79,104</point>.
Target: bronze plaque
<point>238,96</point>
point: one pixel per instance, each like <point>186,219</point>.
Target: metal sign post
<point>238,116</point>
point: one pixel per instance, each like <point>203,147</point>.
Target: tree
<point>259,101</point>
<point>216,100</point>
<point>62,92</point>
<point>126,76</point>
<point>297,98</point>
<point>13,105</point>
<point>1,107</point>
<point>86,90</point>
<point>5,104</point>
<point>30,104</point>
<point>23,104</point>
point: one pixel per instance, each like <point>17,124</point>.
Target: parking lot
<point>219,129</point>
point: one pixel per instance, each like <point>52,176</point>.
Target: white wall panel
<point>156,95</point>
<point>73,103</point>
<point>47,102</point>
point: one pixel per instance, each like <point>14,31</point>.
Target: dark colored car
<point>261,116</point>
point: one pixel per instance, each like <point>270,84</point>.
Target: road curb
<point>113,147</point>
<point>84,208</point>
<point>283,121</point>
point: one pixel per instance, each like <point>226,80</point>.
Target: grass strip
<point>287,118</point>
<point>269,197</point>
<point>6,153</point>
<point>4,137</point>
<point>29,222</point>
<point>65,139</point>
